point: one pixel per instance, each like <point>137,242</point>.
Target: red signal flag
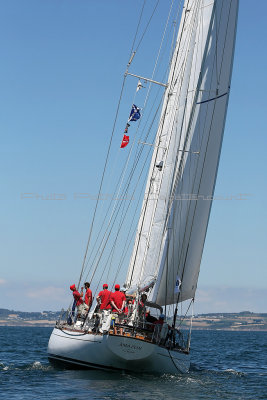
<point>125,141</point>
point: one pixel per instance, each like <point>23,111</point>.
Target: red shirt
<point>105,296</point>
<point>159,322</point>
<point>118,298</point>
<point>88,297</point>
<point>77,298</point>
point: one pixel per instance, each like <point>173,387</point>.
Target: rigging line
<point>178,175</point>
<point>147,26</point>
<point>119,183</point>
<point>162,39</point>
<point>140,151</point>
<point>125,192</point>
<point>117,211</point>
<point>181,47</point>
<point>158,54</point>
<point>157,59</point>
<point>129,178</point>
<point>116,116</point>
<point>172,79</point>
<point>127,159</point>
<point>138,25</point>
<point>174,35</point>
<point>102,179</point>
<point>141,172</point>
<point>121,223</point>
<point>160,129</point>
<point>103,270</point>
<point>188,308</point>
<point>132,222</point>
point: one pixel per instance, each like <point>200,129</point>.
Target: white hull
<point>114,353</point>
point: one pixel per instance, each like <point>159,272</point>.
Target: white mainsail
<point>175,211</point>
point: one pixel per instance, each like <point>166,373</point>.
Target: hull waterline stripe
<point>214,98</point>
<point>82,363</point>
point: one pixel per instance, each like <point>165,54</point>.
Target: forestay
<point>175,211</point>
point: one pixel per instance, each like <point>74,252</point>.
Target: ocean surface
<point>225,365</point>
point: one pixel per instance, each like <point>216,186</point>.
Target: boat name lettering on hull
<point>130,346</point>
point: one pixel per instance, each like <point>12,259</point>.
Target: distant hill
<point>243,321</point>
<point>22,318</point>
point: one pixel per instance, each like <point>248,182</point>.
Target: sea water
<point>224,365</point>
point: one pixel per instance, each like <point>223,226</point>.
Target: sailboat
<point>169,238</point>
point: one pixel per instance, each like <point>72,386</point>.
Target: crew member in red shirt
<point>88,297</point>
<point>118,301</point>
<point>78,297</point>
<point>104,298</point>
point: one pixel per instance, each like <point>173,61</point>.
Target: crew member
<point>103,299</point>
<point>161,329</point>
<point>88,297</point>
<point>150,319</point>
<point>78,299</point>
<point>118,300</point>
<point>141,306</point>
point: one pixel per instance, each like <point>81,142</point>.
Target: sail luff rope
<point>189,127</point>
<point>205,156</point>
<point>159,136</point>
<point>179,208</point>
<point>157,59</point>
<point>227,100</point>
<point>179,211</point>
<point>181,163</point>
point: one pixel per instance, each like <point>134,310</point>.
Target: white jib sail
<point>175,211</point>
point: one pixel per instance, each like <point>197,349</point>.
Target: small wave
<point>38,366</point>
<point>3,367</point>
<point>234,372</point>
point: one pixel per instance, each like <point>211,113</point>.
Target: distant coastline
<point>243,321</point>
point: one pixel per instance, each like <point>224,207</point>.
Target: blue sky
<point>61,69</point>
